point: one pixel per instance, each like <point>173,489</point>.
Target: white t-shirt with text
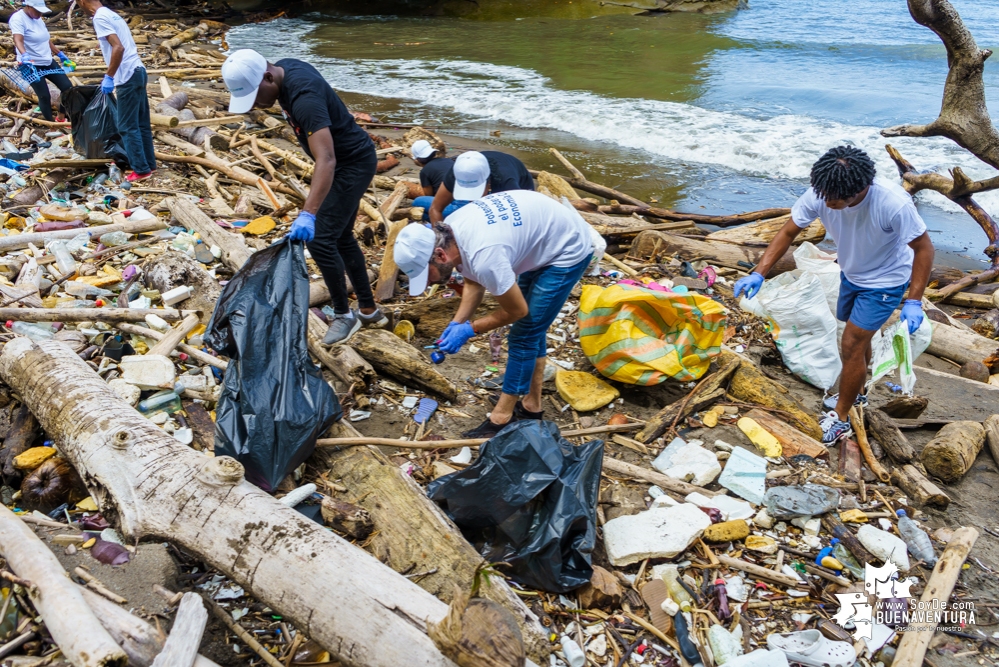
<point>36,37</point>
<point>509,233</point>
<point>106,22</point>
<point>872,238</point>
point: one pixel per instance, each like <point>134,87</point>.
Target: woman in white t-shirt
<point>34,53</point>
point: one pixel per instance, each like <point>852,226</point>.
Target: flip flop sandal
<point>811,648</point>
<point>425,411</point>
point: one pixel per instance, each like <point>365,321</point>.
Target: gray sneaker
<point>341,329</point>
<point>375,320</point>
<point>829,402</point>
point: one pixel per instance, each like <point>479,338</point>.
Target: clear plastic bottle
<point>33,331</point>
<point>77,288</point>
<point>916,539</point>
<point>843,555</point>
<point>65,261</point>
<point>112,239</point>
<point>163,401</point>
<point>671,576</point>
<point>114,174</point>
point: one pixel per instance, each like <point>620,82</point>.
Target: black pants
<point>334,248</point>
<point>41,89</point>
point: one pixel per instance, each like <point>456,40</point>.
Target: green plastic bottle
<point>843,555</point>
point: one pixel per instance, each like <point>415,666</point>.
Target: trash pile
<point>675,508</point>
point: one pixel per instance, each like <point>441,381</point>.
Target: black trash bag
<point>93,115</point>
<point>274,402</point>
<point>530,500</point>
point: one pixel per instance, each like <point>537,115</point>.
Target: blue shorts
<point>867,308</point>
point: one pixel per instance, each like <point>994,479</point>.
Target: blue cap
<point>899,512</point>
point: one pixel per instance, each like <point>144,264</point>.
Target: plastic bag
<point>640,336</point>
<point>894,348</point>
<point>529,500</point>
<point>274,401</point>
<point>93,115</point>
<point>801,325</point>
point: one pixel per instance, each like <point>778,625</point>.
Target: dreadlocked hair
<point>842,172</point>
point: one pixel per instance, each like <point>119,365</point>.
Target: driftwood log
<point>953,451</point>
<point>72,624</point>
<point>792,441</point>
<point>388,272</point>
<point>905,407</point>
<point>762,232</point>
<point>749,384</point>
<point>882,428</point>
<point>17,241</point>
<point>174,106</point>
<point>652,245</point>
<point>23,431</point>
<point>919,489</point>
<point>172,269</point>
<point>706,392</point>
<point>940,585</point>
<point>395,357</point>
<point>149,485</point>
<point>992,436</point>
<point>960,346</point>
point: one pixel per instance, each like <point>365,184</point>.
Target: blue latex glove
<point>304,227</point>
<point>107,85</point>
<point>749,285</point>
<point>63,58</point>
<point>912,313</point>
<point>23,59</point>
<point>455,337</point>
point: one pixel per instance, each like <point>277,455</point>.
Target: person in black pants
<point>345,164</point>
<point>34,53</point>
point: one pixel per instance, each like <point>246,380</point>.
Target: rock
<point>148,371</point>
<point>727,531</point>
<point>655,533</point>
<point>745,475</point>
<point>809,526</point>
<point>584,392</point>
<point>763,520</point>
<point>127,391</point>
<point>788,502</point>
<point>30,459</point>
<point>975,370</point>
<point>762,544</point>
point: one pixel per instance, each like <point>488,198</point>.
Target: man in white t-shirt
<point>884,250</point>
<point>126,74</point>
<point>34,51</point>
<point>528,250</point>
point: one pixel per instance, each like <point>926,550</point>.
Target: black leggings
<point>41,89</point>
<point>334,248</point>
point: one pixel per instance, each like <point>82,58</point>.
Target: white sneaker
<point>834,430</point>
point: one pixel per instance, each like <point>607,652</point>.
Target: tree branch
<point>964,117</point>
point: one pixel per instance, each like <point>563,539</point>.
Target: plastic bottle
<point>64,260</point>
<point>724,612</point>
<point>112,239</point>
<point>32,331</point>
<point>843,555</point>
<point>916,539</point>
<point>687,646</point>
<point>163,401</point>
<point>574,655</point>
<point>724,645</point>
<point>884,546</point>
<point>98,182</point>
<point>77,288</point>
<point>671,576</point>
<point>114,174</point>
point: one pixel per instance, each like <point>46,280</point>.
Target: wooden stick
<point>857,416</point>
<point>469,442</point>
<point>205,122</point>
<point>190,350</point>
<point>760,572</point>
<point>568,165</point>
<point>940,585</point>
<point>172,339</point>
<point>40,238</point>
<point>90,314</point>
<point>653,477</point>
<point>95,584</point>
<point>621,265</point>
<point>37,121</point>
<point>245,636</point>
<point>389,271</point>
<point>266,189</point>
<point>234,172</point>
<point>181,647</point>
<point>69,620</point>
<point>99,163</point>
<point>264,162</point>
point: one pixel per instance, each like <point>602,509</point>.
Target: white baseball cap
<point>412,252</point>
<point>471,173</point>
<point>242,71</point>
<point>422,149</point>
<point>37,4</point>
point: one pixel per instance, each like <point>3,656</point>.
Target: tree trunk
<point>792,441</point>
<point>69,620</point>
<point>960,346</point>
<point>762,232</point>
<point>752,386</point>
<point>883,429</point>
<point>23,431</point>
<point>150,486</point>
<point>652,245</point>
<point>40,238</point>
<point>953,451</point>
<point>174,106</point>
<point>394,356</point>
<point>919,489</point>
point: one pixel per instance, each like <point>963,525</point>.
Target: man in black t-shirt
<point>435,168</point>
<point>477,174</point>
<point>345,164</point>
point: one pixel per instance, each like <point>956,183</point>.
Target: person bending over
<point>884,250</point>
<point>475,175</point>
<point>434,168</point>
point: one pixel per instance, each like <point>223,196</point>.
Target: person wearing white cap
<point>435,168</point>
<point>34,52</point>
<point>526,249</point>
<point>345,164</point>
<point>126,74</point>
<point>476,174</point>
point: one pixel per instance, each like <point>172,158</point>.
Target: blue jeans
<point>133,122</point>
<point>545,291</point>
<point>425,201</point>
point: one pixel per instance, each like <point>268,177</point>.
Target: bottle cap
<point>900,513</point>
